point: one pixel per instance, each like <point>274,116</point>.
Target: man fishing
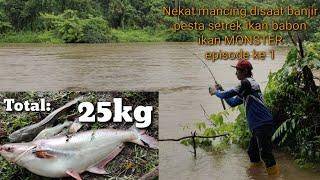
<point>258,116</point>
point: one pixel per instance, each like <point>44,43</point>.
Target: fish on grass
<point>53,131</point>
<point>59,130</point>
<point>28,133</point>
<point>63,156</point>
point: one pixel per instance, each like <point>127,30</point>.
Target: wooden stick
<point>150,175</point>
<point>194,144</point>
<point>193,136</point>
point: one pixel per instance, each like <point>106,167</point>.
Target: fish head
<point>11,151</point>
<point>18,135</point>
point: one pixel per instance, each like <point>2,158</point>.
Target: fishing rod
<point>214,79</point>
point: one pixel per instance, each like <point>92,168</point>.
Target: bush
<point>137,35</point>
<point>95,30</point>
<point>5,25</point>
<point>181,36</point>
<point>241,132</point>
<point>72,29</point>
<point>295,107</point>
<point>238,131</point>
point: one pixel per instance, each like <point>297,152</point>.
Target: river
<point>170,68</point>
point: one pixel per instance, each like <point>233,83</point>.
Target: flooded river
<point>170,68</point>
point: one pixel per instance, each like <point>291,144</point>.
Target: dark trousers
<point>260,146</point>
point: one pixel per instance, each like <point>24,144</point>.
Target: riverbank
<point>118,35</point>
<point>30,37</point>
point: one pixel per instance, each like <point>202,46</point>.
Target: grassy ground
<point>139,35</point>
<point>30,37</point>
<point>131,163</point>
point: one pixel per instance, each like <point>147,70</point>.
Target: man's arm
<point>226,94</point>
<point>243,88</point>
<point>230,96</point>
<point>234,101</point>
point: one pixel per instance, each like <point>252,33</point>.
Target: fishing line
<point>207,116</point>
<point>208,68</point>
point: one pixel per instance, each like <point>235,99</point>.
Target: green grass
<point>119,35</point>
<point>30,37</point>
<point>139,35</point>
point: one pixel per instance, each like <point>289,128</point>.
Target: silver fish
<point>50,132</point>
<point>60,130</point>
<point>28,133</point>
<point>70,156</point>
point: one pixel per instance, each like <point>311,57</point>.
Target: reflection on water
<point>166,67</point>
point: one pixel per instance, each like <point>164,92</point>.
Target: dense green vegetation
<point>294,100</point>
<point>79,21</point>
<point>238,131</point>
<point>96,21</point>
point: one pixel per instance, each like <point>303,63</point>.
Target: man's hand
<point>218,87</point>
<point>212,90</point>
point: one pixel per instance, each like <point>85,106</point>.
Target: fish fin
<point>99,168</point>
<point>52,131</point>
<point>44,154</point>
<point>143,139</point>
<point>96,170</point>
<point>74,174</point>
<point>62,133</point>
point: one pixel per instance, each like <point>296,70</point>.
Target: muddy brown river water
<point>170,68</point>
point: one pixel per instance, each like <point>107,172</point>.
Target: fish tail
<point>143,139</point>
<point>75,126</point>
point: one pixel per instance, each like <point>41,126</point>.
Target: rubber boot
<point>256,168</point>
<point>256,164</point>
<point>273,170</point>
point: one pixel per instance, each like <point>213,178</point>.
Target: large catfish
<point>63,156</point>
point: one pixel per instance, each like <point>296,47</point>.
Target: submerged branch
<point>151,175</point>
<point>186,137</point>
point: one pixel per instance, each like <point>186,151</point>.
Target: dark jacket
<point>249,93</point>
